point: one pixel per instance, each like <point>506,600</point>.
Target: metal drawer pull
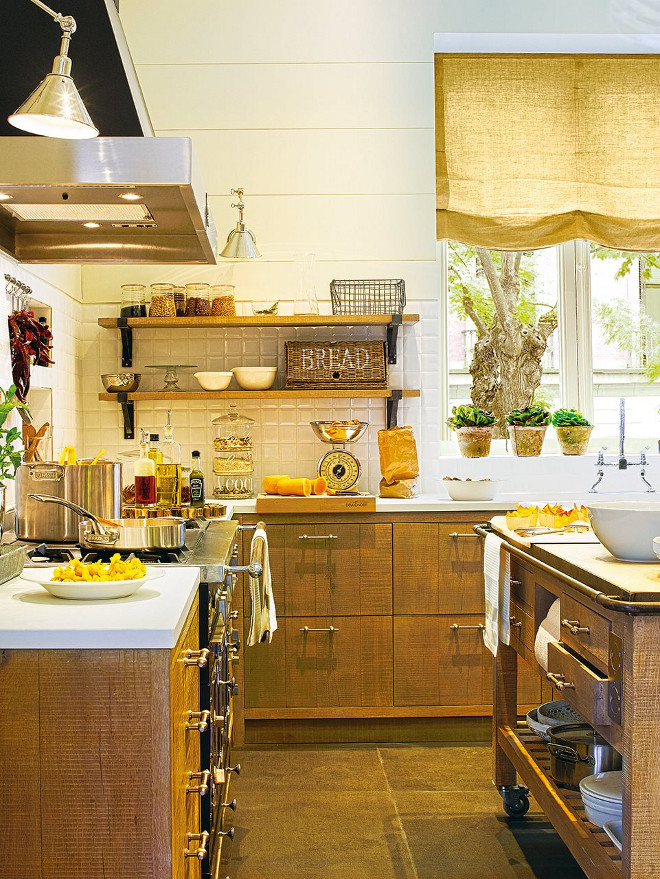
<point>202,850</point>
<point>203,787</point>
<point>455,534</point>
<point>217,719</point>
<point>559,681</point>
<point>233,615</point>
<point>231,805</point>
<point>574,627</point>
<point>515,583</point>
<point>229,833</point>
<point>199,658</point>
<point>455,627</point>
<point>514,623</point>
<point>330,629</point>
<point>318,537</point>
<point>198,720</point>
<point>236,769</point>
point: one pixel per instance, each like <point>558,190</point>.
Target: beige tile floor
<point>387,812</point>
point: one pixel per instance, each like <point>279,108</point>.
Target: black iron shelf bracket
<point>128,411</point>
<point>393,408</point>
<point>126,341</point>
<point>392,336</point>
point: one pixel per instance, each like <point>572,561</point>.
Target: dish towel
<point>549,630</point>
<point>263,617</point>
<point>497,589</point>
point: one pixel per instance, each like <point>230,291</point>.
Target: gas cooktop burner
<point>174,557</point>
<point>49,554</point>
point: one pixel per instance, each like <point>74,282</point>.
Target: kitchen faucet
<point>623,463</point>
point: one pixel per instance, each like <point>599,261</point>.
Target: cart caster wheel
<point>517,808</point>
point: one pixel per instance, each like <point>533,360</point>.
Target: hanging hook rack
<point>20,293</point>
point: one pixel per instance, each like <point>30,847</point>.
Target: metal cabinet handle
<point>331,630</point>
<point>574,627</point>
<point>318,537</point>
<point>233,615</point>
<point>198,720</point>
<point>203,787</point>
<point>559,681</point>
<point>217,719</point>
<point>455,627</point>
<point>228,833</point>
<point>202,849</point>
<point>455,534</point>
<point>199,658</point>
<point>231,805</point>
<point>515,583</point>
<point>515,624</point>
<point>236,769</point>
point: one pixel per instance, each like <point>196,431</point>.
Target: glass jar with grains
<point>222,300</point>
<point>197,300</point>
<point>180,301</point>
<point>133,303</point>
<point>162,301</point>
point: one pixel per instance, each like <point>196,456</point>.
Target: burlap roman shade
<point>533,150</point>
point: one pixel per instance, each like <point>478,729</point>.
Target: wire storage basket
<point>368,297</point>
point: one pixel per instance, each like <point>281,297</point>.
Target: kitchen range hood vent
<point>120,199</point>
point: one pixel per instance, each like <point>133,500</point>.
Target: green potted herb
<point>11,445</point>
<point>474,429</point>
<point>573,431</point>
<point>526,428</point>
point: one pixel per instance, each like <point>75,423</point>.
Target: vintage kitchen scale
<point>339,467</point>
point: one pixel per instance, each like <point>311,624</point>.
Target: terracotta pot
<point>527,441</point>
<point>474,442</point>
<point>574,439</point>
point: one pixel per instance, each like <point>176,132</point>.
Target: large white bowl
<point>626,528</point>
<point>256,378</point>
<point>214,381</point>
<point>472,490</point>
<point>87,591</point>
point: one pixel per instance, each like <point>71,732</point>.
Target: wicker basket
<point>336,364</point>
<point>12,559</point>
<point>368,297</point>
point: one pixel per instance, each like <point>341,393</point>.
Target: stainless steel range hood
<point>61,201</point>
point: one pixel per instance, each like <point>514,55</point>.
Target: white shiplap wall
<point>324,113</point>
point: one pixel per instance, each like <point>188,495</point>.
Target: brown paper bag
<point>404,488</point>
<point>398,454</point>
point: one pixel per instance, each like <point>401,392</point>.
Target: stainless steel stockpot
<point>577,750</point>
<point>96,487</point>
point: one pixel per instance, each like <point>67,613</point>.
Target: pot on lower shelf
<point>574,439</point>
<point>474,442</point>
<point>577,750</point>
<point>527,441</point>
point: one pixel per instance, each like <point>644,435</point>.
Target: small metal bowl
<point>121,382</point>
<point>339,431</point>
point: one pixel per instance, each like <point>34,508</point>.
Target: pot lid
<point>576,734</point>
<point>607,786</point>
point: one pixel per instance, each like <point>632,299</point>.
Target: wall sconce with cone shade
<point>241,243</point>
<point>55,109</point>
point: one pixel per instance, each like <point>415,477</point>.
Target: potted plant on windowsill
<point>11,445</point>
<point>526,428</point>
<point>474,430</point>
<point>573,431</point>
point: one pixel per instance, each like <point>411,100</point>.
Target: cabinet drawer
<point>522,627</point>
<point>438,568</point>
<point>592,644</point>
<point>581,686</point>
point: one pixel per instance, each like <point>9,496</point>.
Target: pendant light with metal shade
<point>241,243</point>
<point>55,109</point>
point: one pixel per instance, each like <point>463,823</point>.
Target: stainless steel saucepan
<point>127,535</point>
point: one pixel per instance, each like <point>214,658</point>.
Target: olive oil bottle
<point>168,472</point>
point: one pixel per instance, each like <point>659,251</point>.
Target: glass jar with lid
<point>162,301</point>
<point>198,303</point>
<point>233,461</point>
<point>133,301</point>
<point>179,300</point>
<point>222,300</point>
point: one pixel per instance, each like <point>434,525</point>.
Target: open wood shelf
<point>270,320</point>
<point>312,393</point>
<point>590,845</point>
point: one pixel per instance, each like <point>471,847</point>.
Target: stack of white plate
<point>601,795</point>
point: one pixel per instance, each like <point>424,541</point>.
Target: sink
<point>626,528</point>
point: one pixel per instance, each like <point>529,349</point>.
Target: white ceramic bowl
<point>257,378</point>
<point>88,591</point>
<point>626,528</point>
<point>214,381</point>
<point>614,830</point>
<point>472,490</point>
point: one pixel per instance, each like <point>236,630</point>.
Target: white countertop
<point>153,617</point>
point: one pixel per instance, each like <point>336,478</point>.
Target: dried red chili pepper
<point>30,341</point>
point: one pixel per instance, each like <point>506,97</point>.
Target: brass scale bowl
<point>339,467</point>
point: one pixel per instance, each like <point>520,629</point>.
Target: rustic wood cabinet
<point>96,747</point>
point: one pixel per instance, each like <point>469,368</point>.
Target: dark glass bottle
<point>196,482</point>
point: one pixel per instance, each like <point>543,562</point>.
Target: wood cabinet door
<point>338,570</point>
<point>185,750</point>
<point>264,665</point>
<point>438,568</point>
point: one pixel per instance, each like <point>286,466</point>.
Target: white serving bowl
<point>214,381</point>
<point>472,490</point>
<point>626,528</point>
<point>257,378</point>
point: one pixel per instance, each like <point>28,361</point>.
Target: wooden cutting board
<point>270,503</point>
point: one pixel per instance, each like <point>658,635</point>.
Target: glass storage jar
<point>222,300</point>
<point>185,485</point>
<point>198,303</point>
<point>162,301</point>
<point>180,300</point>
<point>232,485</point>
<point>133,301</point>
<point>233,461</point>
<point>233,431</point>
